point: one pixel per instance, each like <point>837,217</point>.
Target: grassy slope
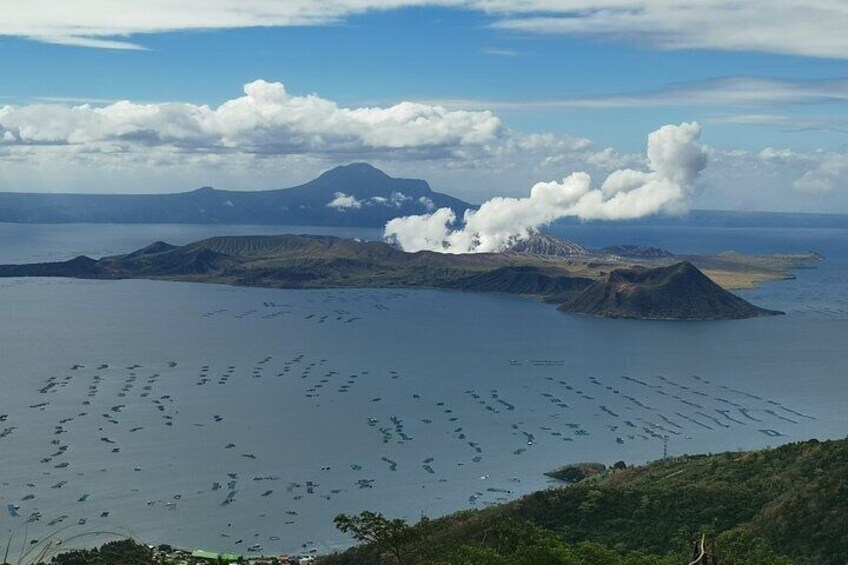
<point>678,291</point>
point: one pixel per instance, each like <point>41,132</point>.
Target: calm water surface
<point>224,418</point>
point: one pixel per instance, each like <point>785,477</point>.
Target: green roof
<point>214,555</point>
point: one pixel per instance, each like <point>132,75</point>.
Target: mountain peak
<point>674,292</point>
<point>364,182</point>
<point>540,243</point>
<point>681,271</point>
<point>355,171</point>
<point>686,268</point>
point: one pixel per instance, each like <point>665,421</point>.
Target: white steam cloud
<point>675,157</point>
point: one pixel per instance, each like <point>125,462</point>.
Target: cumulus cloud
<point>279,138</point>
<point>783,156</point>
<point>427,203</point>
<point>675,157</point>
<point>830,174</point>
<point>776,179</point>
<point>265,119</point>
<point>397,199</point>
<point>344,202</point>
<point>269,138</point>
<point>809,27</point>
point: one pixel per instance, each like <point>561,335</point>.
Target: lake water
<point>223,418</point>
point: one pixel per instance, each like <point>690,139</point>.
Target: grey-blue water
<point>225,418</point>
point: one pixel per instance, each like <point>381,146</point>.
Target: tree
<point>739,546</point>
<point>394,537</point>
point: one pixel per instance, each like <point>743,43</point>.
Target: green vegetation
<point>778,506</point>
<point>125,552</point>
<point>781,506</point>
<point>130,552</point>
<point>656,291</point>
<point>578,471</point>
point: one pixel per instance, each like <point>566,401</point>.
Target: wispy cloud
<point>73,100</point>
<point>91,42</point>
<point>733,91</point>
<point>786,123</point>
<point>499,52</point>
<point>813,28</point>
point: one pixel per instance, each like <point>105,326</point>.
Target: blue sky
<point>610,86</point>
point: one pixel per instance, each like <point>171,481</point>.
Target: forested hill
<point>777,506</point>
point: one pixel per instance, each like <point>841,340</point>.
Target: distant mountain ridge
<point>356,195</point>
<point>637,251</point>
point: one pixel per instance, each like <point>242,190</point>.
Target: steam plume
<point>675,157</point>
